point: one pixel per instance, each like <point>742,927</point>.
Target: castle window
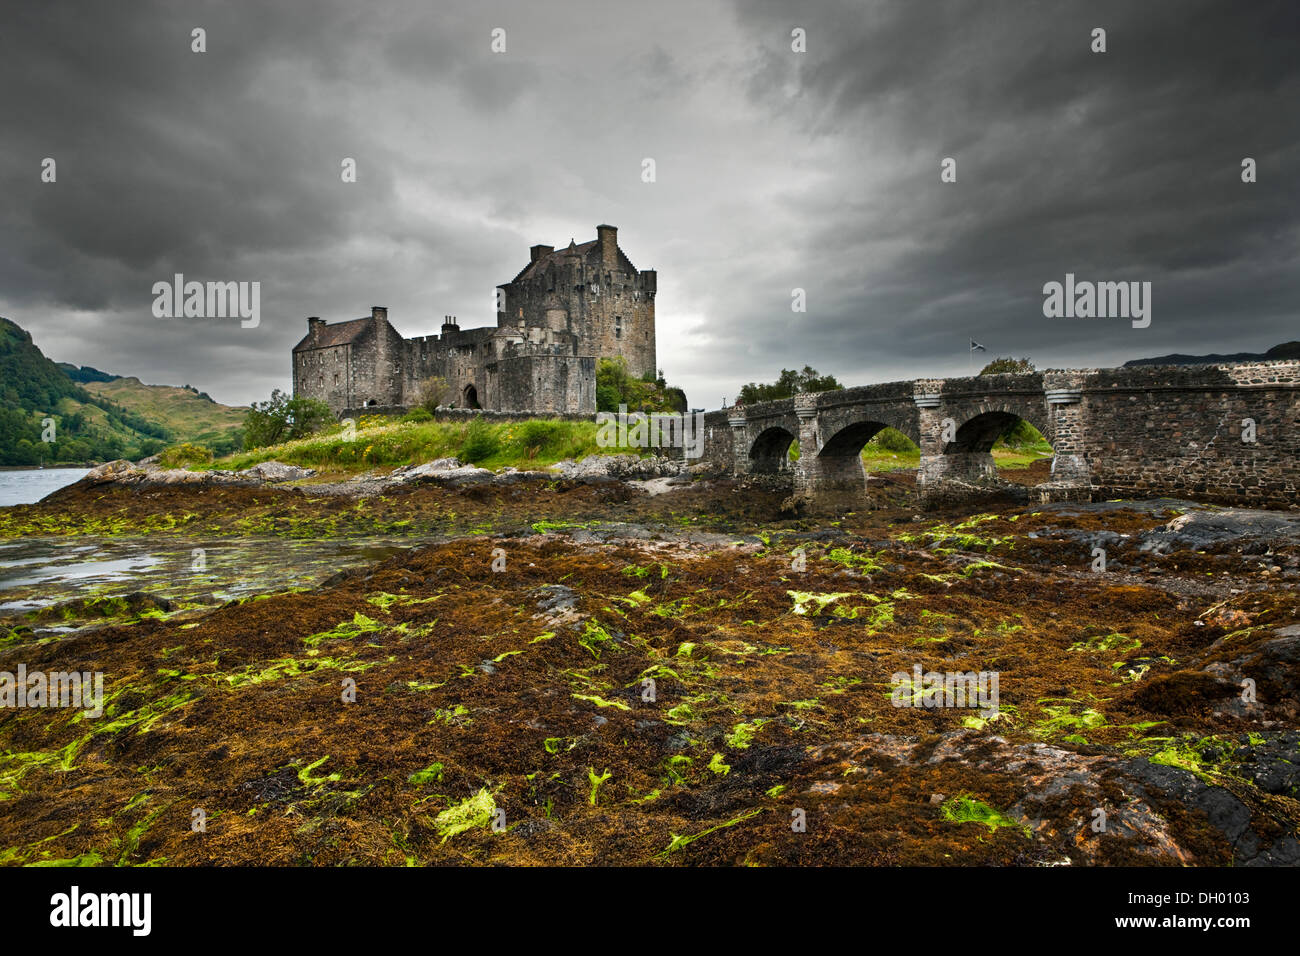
<point>618,326</point>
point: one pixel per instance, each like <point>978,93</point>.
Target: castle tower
<point>592,291</point>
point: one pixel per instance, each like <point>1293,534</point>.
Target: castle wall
<point>458,357</point>
<point>324,374</point>
<point>581,305</point>
<point>543,383</point>
<point>378,364</point>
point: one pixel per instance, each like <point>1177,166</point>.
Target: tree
<point>283,419</point>
<point>615,386</point>
<point>788,384</point>
<point>434,391</point>
<point>1005,366</point>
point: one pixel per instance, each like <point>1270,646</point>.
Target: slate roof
<point>534,269</point>
<point>339,333</point>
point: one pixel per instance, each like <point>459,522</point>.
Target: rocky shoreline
<point>501,644</point>
<point>445,471</point>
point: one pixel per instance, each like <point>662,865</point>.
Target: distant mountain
<point>1287,350</point>
<point>48,415</point>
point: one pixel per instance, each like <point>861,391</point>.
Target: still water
<point>29,485</point>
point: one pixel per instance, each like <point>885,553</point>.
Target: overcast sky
<point>775,170</point>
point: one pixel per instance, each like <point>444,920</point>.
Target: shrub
<point>891,439</point>
<point>480,442</point>
<point>434,391</point>
<point>185,455</point>
<point>1022,435</point>
<point>535,436</point>
<point>607,398</point>
<point>283,418</point>
<point>418,415</point>
<point>1008,366</point>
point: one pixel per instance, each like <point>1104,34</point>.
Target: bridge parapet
<point>1228,432</point>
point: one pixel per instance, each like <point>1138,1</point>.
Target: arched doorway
<point>471,397</point>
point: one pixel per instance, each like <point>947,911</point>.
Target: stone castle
<point>565,310</point>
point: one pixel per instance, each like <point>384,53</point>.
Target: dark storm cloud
<point>1122,165</point>
<point>776,170</point>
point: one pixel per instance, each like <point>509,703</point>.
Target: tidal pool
<point>40,572</point>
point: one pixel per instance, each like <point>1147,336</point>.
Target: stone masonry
<point>563,312</point>
<point>1227,433</point>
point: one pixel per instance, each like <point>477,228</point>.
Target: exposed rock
<point>414,473</point>
<point>1060,790</point>
<point>1202,527</point>
<point>273,471</point>
<point>109,471</point>
<point>622,467</point>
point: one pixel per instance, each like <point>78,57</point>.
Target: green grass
<point>891,450</point>
<point>380,441</point>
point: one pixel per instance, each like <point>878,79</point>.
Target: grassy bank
<point>536,443</point>
<point>385,442</point>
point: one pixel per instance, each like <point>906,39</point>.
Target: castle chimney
<point>314,325</point>
<point>608,236</point>
<point>449,325</point>
<point>378,312</point>
<point>536,252</point>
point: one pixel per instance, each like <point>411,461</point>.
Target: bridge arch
<point>849,441</point>
<point>975,420</point>
<point>960,464</point>
<point>980,433</point>
<point>769,452</point>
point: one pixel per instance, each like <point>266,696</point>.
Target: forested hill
<point>94,416</point>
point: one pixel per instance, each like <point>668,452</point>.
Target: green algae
<point>476,811</point>
<point>601,702</point>
<point>595,781</point>
<point>742,735</point>
<point>306,778</point>
<point>681,841</point>
<point>1114,641</point>
<point>1061,717</point>
<point>430,774</point>
<point>964,808</point>
<point>596,639</point>
<point>862,563</point>
<point>345,630</point>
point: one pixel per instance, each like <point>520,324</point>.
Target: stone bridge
<point>1225,433</point>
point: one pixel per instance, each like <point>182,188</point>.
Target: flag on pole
<point>976,347</point>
